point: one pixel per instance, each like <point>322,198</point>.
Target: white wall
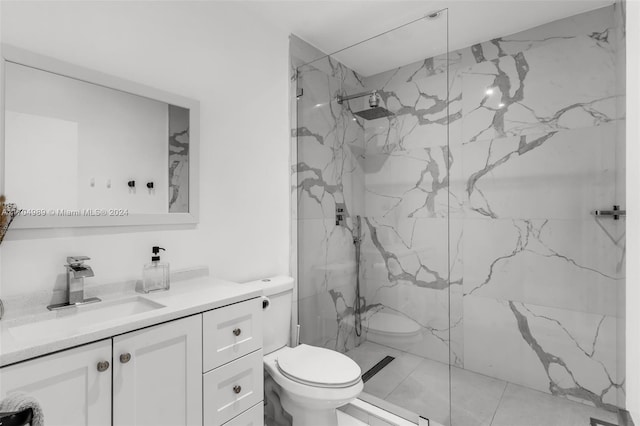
<point>236,66</point>
<point>633,206</point>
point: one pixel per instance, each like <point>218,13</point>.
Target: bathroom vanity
<point>188,356</point>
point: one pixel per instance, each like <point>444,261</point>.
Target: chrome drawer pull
<point>125,358</point>
<point>236,332</point>
<point>237,388</point>
<point>103,366</point>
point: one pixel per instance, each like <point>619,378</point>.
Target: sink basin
<point>76,319</point>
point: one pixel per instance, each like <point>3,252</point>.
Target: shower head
<point>376,111</point>
<point>373,113</point>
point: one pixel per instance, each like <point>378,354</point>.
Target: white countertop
<point>185,298</point>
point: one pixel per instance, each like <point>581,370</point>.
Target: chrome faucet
<point>77,271</point>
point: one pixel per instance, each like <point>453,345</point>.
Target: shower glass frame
<point>323,253</point>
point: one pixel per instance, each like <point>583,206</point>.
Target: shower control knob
<point>103,366</point>
<point>236,332</point>
<point>237,389</point>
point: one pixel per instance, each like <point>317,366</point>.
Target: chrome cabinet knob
<point>237,388</point>
<point>103,366</point>
<point>125,358</point>
<point>236,331</point>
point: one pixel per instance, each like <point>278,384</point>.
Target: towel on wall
<point>18,401</point>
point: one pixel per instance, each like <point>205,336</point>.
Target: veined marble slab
<point>571,265</point>
<point>412,183</point>
<point>407,273</point>
<point>327,168</point>
<point>557,175</point>
<point>327,256</point>
<point>327,319</point>
<point>562,352</point>
<point>564,85</point>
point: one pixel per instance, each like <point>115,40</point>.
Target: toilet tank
<point>277,316</point>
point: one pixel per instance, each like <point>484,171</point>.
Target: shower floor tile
<point>422,386</point>
<point>381,385</point>
<point>526,407</point>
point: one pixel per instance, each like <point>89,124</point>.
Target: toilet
<point>310,382</point>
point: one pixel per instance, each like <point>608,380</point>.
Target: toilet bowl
<point>312,382</point>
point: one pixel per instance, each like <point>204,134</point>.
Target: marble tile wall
<point>476,199</point>
<point>329,146</point>
<point>534,145</point>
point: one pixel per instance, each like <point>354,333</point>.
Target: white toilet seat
<point>319,367</point>
<point>312,392</point>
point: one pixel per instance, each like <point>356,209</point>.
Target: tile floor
<point>422,386</point>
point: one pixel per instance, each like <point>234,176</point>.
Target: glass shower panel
<point>535,300</point>
<point>372,179</point>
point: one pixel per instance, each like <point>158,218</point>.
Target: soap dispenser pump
<point>155,275</point>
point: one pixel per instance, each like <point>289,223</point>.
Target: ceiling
<point>333,25</point>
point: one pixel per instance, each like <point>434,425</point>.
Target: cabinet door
<point>157,375</point>
<point>68,385</point>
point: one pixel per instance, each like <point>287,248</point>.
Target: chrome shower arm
<point>341,98</point>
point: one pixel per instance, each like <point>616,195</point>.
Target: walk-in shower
<point>467,275</point>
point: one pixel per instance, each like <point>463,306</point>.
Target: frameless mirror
<point>82,148</point>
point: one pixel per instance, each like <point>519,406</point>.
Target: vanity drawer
<point>232,389</point>
<point>254,416</point>
<point>231,332</point>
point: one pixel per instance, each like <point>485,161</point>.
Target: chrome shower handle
<point>615,213</point>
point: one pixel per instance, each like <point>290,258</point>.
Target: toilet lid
<point>320,367</point>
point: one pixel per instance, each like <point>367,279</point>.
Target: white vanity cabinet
<point>157,378</point>
<point>233,377</point>
<point>73,386</point>
<point>204,369</point>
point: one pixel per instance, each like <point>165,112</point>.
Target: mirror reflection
<point>72,146</point>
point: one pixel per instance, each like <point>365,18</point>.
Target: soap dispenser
<point>155,275</point>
